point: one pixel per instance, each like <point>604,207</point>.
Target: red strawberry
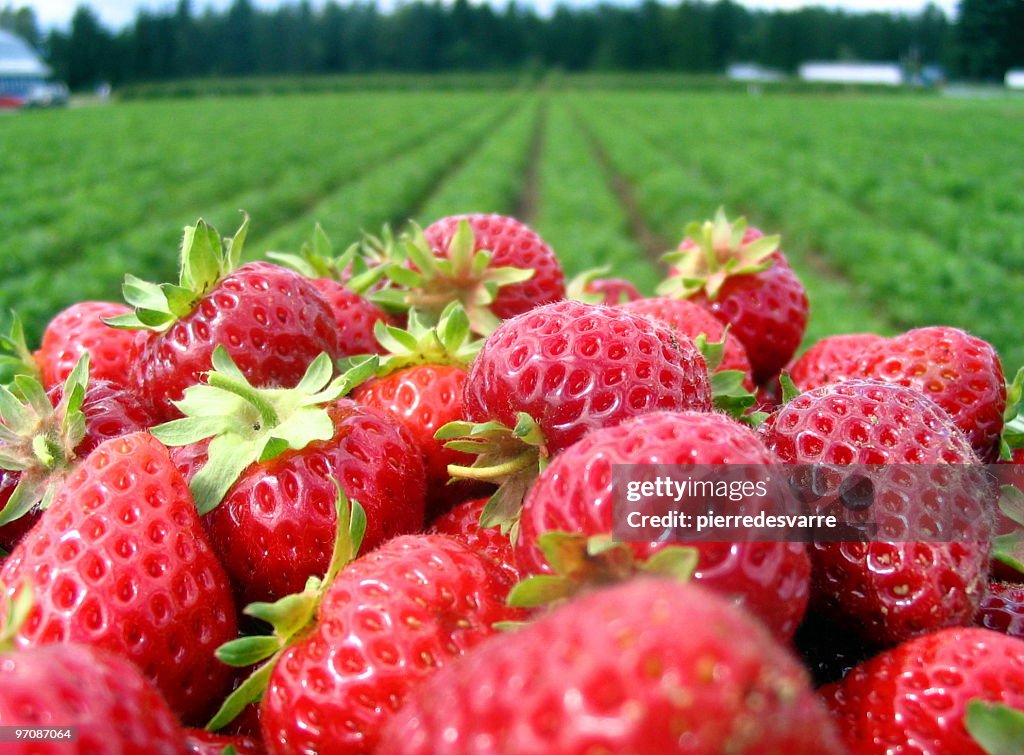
<point>613,290</point>
<point>1002,609</point>
<point>271,320</point>
<point>888,589</point>
<point>114,710</point>
<point>830,360</point>
<point>47,435</point>
<point>743,278</point>
<point>511,245</point>
<point>267,495</point>
<point>647,666</point>
<point>202,742</point>
<point>119,562</point>
<point>79,329</point>
<point>354,315</point>
<point>575,494</point>
<point>957,371</point>
<point>914,698</point>
<point>463,524</point>
<point>693,321</point>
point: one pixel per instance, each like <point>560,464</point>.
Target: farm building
<point>752,72</point>
<point>23,75</point>
<point>1015,78</point>
<point>887,74</point>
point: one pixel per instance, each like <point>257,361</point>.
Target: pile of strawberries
<point>363,502</point>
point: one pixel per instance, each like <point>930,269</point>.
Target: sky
<point>118,13</point>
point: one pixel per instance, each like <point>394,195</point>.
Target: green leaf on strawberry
<point>359,267</point>
<point>205,260</point>
<point>997,728</point>
<point>288,617</point>
<point>576,289</point>
<point>16,612</point>
<point>248,424</point>
<point>15,356</point>
<point>1013,417</point>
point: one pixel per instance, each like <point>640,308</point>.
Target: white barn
<point>1015,78</point>
<point>885,74</point>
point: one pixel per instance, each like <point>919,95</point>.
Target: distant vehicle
<point>23,77</point>
<point>837,72</point>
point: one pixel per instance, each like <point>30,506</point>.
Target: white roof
<point>18,59</point>
<point>1015,78</point>
<point>852,73</point>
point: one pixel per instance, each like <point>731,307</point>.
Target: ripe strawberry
<point>830,360</point>
<point>271,320</point>
<point>887,588</point>
<point>202,742</point>
<point>914,698</point>
<point>957,371</point>
<point>590,288</point>
<point>559,371</point>
<point>421,382</point>
<point>511,245</point>
<point>463,524</point>
<point>744,279</point>
<point>646,666</point>
<point>267,494</point>
<point>46,436</point>
<point>119,562</point>
<point>114,709</point>
<point>344,285</point>
<point>693,321</point>
<point>575,494</point>
<point>1002,609</point>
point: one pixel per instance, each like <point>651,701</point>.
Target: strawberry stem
<point>525,460</point>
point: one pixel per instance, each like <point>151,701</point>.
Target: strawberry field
<point>896,211</point>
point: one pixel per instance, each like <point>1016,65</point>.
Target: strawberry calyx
<point>509,457</point>
<point>1013,418</point>
<point>997,728</point>
<point>18,358</point>
<point>1009,548</point>
<point>205,260</point>
<point>576,289</point>
<point>719,252</point>
<point>429,282</point>
<point>248,424</point>
<point>449,342</point>
<point>728,393</point>
<point>38,439</point>
<point>291,618</point>
<point>579,561</point>
<point>15,613</point>
<point>359,267</point>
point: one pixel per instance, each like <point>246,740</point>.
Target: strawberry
<point>420,382</point>
<point>575,494</point>
<point>559,371</point>
<point>743,278</point>
<point>119,562</point>
<point>887,589</point>
<point>589,287</point>
<point>271,320</point>
<point>202,742</point>
<point>80,329</point>
<point>261,464</point>
<point>830,360</point>
<point>343,289</point>
<point>113,709</point>
<point>463,524</point>
<point>646,666</point>
<point>1002,609</point>
<point>348,649</point>
<point>694,321</point>
<point>914,698</point>
<point>46,436</point>
<point>959,372</point>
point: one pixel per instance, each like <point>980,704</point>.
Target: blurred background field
<point>897,211</point>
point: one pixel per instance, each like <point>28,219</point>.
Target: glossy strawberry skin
<point>391,619</point>
<point>647,666</point>
<point>79,329</point>
<point>272,322</point>
<point>575,367</point>
<point>202,742</point>
<point>463,524</point>
<point>276,526</point>
<point>110,411</point>
<point>513,244</point>
<point>354,315</point>
<point>913,698</point>
<point>575,494</point>
<point>767,311</point>
<point>887,592</point>
<point>830,360</point>
<point>959,372</point>
<point>424,398</point>
<point>1002,609</point>
<point>692,320</point>
<point>114,709</point>
<point>614,290</point>
<point>119,562</point>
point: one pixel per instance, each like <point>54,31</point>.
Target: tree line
<point>985,39</point>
